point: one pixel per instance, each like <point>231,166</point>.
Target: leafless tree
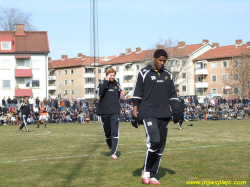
<point>11,16</point>
<point>239,73</point>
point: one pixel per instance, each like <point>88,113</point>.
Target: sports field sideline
<point>77,155</point>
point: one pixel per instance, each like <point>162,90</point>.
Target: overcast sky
<point>136,23</point>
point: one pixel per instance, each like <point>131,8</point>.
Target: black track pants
<point>110,123</point>
<point>24,123</point>
<point>156,132</point>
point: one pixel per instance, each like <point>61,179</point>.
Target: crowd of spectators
<point>83,111</point>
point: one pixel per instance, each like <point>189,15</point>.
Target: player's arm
<point>137,92</point>
<point>102,87</point>
<point>173,99</point>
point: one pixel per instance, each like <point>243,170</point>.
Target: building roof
<point>223,52</point>
<point>29,42</point>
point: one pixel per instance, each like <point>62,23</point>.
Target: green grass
<point>76,155</point>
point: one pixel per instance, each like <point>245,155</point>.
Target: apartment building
<point>211,69</point>
<point>24,63</point>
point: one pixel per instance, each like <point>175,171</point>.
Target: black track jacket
<point>109,93</point>
<point>25,108</point>
<point>154,94</point>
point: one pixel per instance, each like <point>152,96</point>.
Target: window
<point>89,90</point>
<point>35,63</point>
<point>236,76</point>
<point>235,63</point>
<point>72,81</point>
<point>128,67</point>
<point>59,72</point>
<point>137,67</point>
<point>199,65</point>
<point>99,80</point>
<point>199,78</point>
<point>65,72</point>
<point>65,92</point>
<point>214,90</point>
<point>65,82</point>
<point>214,78</point>
<point>35,83</point>
<point>224,77</point>
<point>5,63</point>
<point>118,80</point>
<point>99,70</point>
<point>224,91</point>
<point>224,64</point>
<point>89,70</point>
<point>117,69</point>
<point>72,71</point>
<point>184,62</point>
<point>72,92</point>
<point>184,88</point>
<point>6,83</point>
<point>236,90</point>
<point>213,65</point>
<point>127,78</point>
<point>184,75</point>
<point>5,45</point>
<point>89,80</point>
<point>172,63</point>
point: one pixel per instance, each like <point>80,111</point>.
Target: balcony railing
<point>201,72</point>
<point>50,78</point>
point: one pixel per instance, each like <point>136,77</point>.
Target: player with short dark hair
<point>109,91</point>
<point>25,111</point>
<point>153,92</point>
<point>182,108</point>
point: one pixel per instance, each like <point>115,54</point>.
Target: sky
<point>136,23</point>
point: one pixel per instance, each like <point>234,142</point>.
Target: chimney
<point>64,57</point>
<point>49,59</point>
<point>181,44</point>
<point>128,50</point>
<point>238,42</point>
<point>20,29</point>
<point>248,44</point>
<point>205,41</point>
<point>216,45</point>
<point>160,46</point>
<point>138,49</point>
<point>79,55</point>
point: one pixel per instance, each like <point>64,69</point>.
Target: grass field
<point>76,155</point>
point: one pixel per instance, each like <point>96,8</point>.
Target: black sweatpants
<point>110,123</point>
<point>24,123</point>
<point>156,132</point>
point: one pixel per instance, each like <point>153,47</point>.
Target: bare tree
<point>239,74</point>
<point>11,16</point>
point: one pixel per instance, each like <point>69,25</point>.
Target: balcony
<point>89,96</point>
<point>203,84</point>
<point>201,72</point>
<point>129,73</point>
<point>51,78</point>
<point>52,87</point>
<point>89,85</point>
<point>23,73</point>
<point>89,75</point>
<point>128,83</point>
<point>175,69</point>
<point>23,92</point>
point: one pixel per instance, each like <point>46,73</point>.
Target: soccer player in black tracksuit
<point>109,109</point>
<point>182,108</point>
<point>25,111</point>
<point>153,92</point>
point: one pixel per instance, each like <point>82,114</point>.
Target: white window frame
<point>223,79</point>
<point>222,65</point>
<point>72,71</point>
<point>185,88</point>
<point>65,82</point>
<point>234,76</point>
<point>224,89</point>
<point>72,81</point>
<point>184,74</point>
<point>65,92</point>
<point>117,69</point>
<point>238,90</point>
<point>65,72</point>
<point>31,83</point>
<point>99,70</point>
<point>59,72</point>
<point>212,78</point>
<point>235,64</point>
<point>5,42</point>
<point>215,90</point>
<point>215,65</point>
<point>72,92</point>
<point>3,84</point>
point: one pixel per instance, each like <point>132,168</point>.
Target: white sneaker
<point>114,157</point>
<point>145,177</point>
<point>154,181</point>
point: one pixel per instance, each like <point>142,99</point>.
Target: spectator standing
<point>3,102</point>
<point>9,101</point>
<point>37,103</point>
<point>14,102</point>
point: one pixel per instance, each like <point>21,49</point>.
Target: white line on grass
<point>79,156</point>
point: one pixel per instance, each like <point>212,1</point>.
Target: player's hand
<point>176,118</point>
<point>134,121</point>
<point>108,77</point>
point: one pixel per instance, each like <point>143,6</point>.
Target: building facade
<point>24,63</point>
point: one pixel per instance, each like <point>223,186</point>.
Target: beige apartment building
<point>212,75</point>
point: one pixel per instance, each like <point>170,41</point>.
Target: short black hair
<point>160,52</point>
